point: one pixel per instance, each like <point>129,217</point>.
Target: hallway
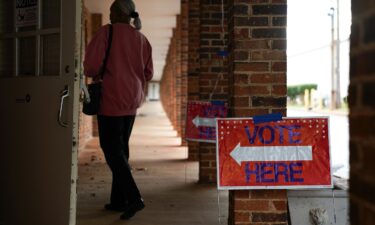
<point>168,182</point>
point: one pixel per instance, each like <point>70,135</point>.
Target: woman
<point>128,69</point>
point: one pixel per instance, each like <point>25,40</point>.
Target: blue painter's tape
<point>218,103</point>
<point>222,53</point>
<point>267,118</point>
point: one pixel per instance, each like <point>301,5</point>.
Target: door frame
<point>75,26</point>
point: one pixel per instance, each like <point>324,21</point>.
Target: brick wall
<point>257,80</point>
<point>362,113</point>
<point>213,78</point>
<point>178,76</point>
<point>184,65</point>
<point>173,88</point>
<point>168,83</point>
<point>87,124</point>
<point>193,65</point>
<point>166,96</point>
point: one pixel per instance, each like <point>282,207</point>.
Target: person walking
<point>129,67</point>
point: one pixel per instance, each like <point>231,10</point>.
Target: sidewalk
<point>168,182</point>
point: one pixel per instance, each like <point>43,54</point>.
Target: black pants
<point>114,134</point>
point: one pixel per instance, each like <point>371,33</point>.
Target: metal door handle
<point>64,94</point>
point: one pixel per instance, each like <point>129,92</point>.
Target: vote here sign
<point>200,120</point>
<point>292,153</point>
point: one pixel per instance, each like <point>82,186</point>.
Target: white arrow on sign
<point>271,153</point>
<point>204,122</point>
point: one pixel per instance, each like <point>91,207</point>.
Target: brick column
<point>178,76</point>
<point>213,73</point>
<point>85,122</point>
<point>165,87</point>
<point>88,127</point>
<point>193,65</point>
<point>257,71</point>
<point>362,113</point>
<point>173,67</point>
<point>184,65</point>
<point>174,79</point>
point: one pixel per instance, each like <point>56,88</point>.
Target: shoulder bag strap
<point>107,51</point>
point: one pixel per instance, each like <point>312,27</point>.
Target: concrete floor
<point>168,182</point>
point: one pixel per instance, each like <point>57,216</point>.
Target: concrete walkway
<point>168,182</point>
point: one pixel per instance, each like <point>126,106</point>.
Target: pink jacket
<point>128,69</point>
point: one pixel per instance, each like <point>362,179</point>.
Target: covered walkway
<point>168,182</point>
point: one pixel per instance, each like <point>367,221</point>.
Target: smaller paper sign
<point>26,12</point>
<point>292,153</point>
<point>201,120</point>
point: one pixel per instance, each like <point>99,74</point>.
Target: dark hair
<point>128,8</point>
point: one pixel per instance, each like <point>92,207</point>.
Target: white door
<point>39,104</point>
<point>153,91</point>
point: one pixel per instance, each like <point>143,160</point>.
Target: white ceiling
<point>158,19</point>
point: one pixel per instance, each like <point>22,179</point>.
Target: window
<point>30,38</point>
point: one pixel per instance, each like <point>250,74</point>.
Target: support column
<point>184,66</point>
<point>362,113</point>
<point>173,96</point>
<point>193,65</point>
<point>213,79</point>
<point>174,79</point>
<point>88,126</point>
<point>167,84</point>
<point>257,80</point>
<point>178,76</point>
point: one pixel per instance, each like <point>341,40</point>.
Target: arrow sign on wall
<point>204,122</point>
<point>271,153</point>
<point>292,153</point>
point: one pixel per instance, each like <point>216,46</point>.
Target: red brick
<point>207,157</point>
<point>268,55</point>
<point>252,44</point>
<point>280,110</point>
<point>279,66</point>
<point>241,33</point>
<point>268,78</point>
<point>256,66</point>
<point>247,112</point>
<point>251,90</point>
<point>241,101</point>
<point>355,35</point>
<point>268,194</point>
<point>242,217</point>
<point>242,194</point>
<point>280,205</point>
<point>208,170</point>
<point>268,33</point>
<point>241,55</point>
<point>362,126</point>
<point>252,205</point>
<point>279,44</point>
<point>204,164</point>
<point>241,79</point>
<point>279,90</point>
<point>269,217</point>
<point>216,29</point>
<point>193,151</point>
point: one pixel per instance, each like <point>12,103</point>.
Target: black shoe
<point>115,208</point>
<point>132,209</point>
